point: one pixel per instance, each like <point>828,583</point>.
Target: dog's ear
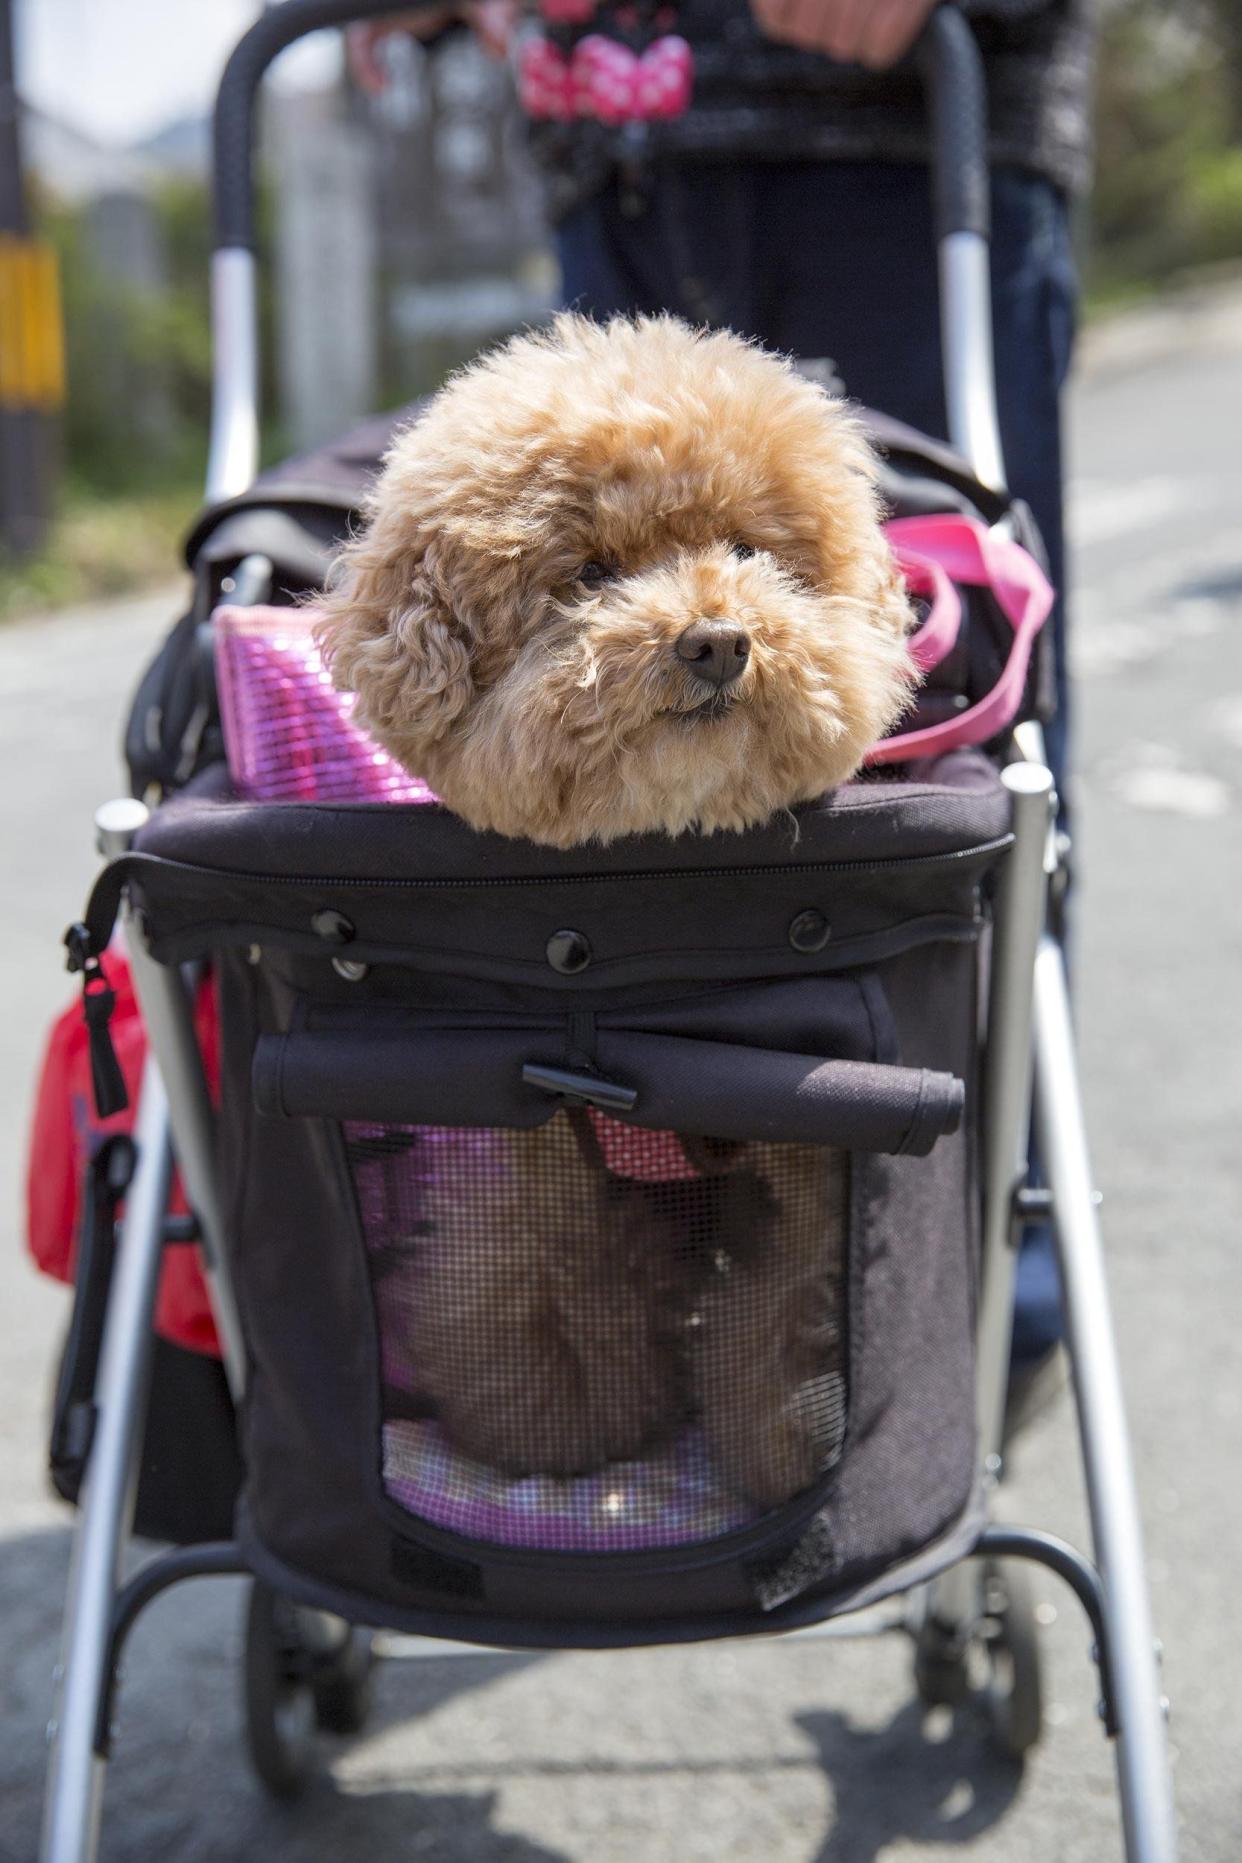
<point>853,514</point>
<point>389,634</point>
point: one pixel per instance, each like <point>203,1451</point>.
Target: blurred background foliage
<point>138,354</point>
<point>1167,203</point>
<point>1168,193</point>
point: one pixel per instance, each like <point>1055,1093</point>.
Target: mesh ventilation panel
<point>595,1338</point>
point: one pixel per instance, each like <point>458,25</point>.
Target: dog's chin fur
<point>546,709</point>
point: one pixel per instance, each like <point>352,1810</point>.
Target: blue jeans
<point>838,259</point>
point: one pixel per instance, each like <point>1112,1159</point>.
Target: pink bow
<point>615,85</point>
<point>545,86</point>
<point>605,80</point>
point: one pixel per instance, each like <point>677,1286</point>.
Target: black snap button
<point>809,931</point>
<point>568,952</point>
<point>332,926</point>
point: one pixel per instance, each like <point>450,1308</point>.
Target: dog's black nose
<point>714,651</point>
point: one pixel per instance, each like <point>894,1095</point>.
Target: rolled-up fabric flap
<point>704,1088</point>
<point>443,1077</point>
<point>717,1090</point>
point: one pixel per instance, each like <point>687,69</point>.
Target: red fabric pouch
<point>66,1132</point>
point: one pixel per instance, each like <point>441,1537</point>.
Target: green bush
<point>1167,188</point>
<point>138,361</point>
<point>99,547</point>
<point>1216,205</point>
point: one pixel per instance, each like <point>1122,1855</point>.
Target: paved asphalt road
<point>801,1750</point>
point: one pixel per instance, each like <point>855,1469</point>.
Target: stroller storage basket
<point>629,1197</point>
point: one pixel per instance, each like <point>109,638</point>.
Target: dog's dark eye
<point>741,548</point>
<point>594,575</point>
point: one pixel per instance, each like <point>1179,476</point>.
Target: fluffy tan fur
<point>535,1311</point>
<point>712,482</point>
<point>767,1345</point>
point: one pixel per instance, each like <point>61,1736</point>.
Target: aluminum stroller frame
<point>1030,1040</point>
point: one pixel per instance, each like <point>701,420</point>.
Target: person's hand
<point>875,33</point>
<point>492,22</point>
<point>364,43</point>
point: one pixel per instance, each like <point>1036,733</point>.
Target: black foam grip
<point>957,104</point>
<point>472,1077</point>
<point>233,121</point>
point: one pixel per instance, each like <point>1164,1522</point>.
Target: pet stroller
<point>859,1013</point>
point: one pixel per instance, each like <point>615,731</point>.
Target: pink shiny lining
<point>288,733</point>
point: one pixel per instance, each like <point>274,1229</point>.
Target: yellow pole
<point>32,367</point>
<point>32,373</point>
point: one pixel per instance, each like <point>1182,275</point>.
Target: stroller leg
<point>75,1775</point>
<point>1142,1758</point>
<point>953,1606</point>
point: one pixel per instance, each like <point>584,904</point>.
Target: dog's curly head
<point>624,578</point>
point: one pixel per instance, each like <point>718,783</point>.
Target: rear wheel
<point>343,1683</point>
<point>1014,1690</point>
<point>279,1699</point>
<point>941,1675</point>
<point>996,1668</point>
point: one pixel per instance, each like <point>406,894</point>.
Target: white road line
<point>1100,511</point>
<point>1175,792</point>
<point>1153,777</point>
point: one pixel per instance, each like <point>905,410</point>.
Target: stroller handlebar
<point>232,131</point>
<point>947,58</point>
<point>951,68</point>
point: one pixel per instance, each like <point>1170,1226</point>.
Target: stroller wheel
<point>1014,1694</point>
<point>343,1683</point>
<point>279,1699</point>
<point>941,1673</point>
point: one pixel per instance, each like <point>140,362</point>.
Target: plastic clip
<point>98,1002</point>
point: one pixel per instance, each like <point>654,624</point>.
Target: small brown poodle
<point>564,1317</point>
<point>622,579</point>
<point>540,1312</point>
<point>629,579</point>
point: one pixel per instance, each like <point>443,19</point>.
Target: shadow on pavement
<point>898,1782</point>
<point>1223,587</point>
<point>451,1827</point>
<point>180,1783</point>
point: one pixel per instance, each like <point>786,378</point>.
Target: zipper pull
<point>98,1002</point>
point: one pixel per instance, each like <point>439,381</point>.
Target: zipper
<point>775,1526</point>
<point>996,846</point>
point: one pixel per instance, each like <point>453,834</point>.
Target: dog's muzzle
<point>715,652</point>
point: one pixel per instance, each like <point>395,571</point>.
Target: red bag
<point>67,1131</point>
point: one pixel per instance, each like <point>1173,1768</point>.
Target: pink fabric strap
<point>947,548</point>
<point>936,635</point>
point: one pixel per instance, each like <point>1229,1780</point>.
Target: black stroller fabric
<point>715,1101</point>
<point>769,1034</point>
